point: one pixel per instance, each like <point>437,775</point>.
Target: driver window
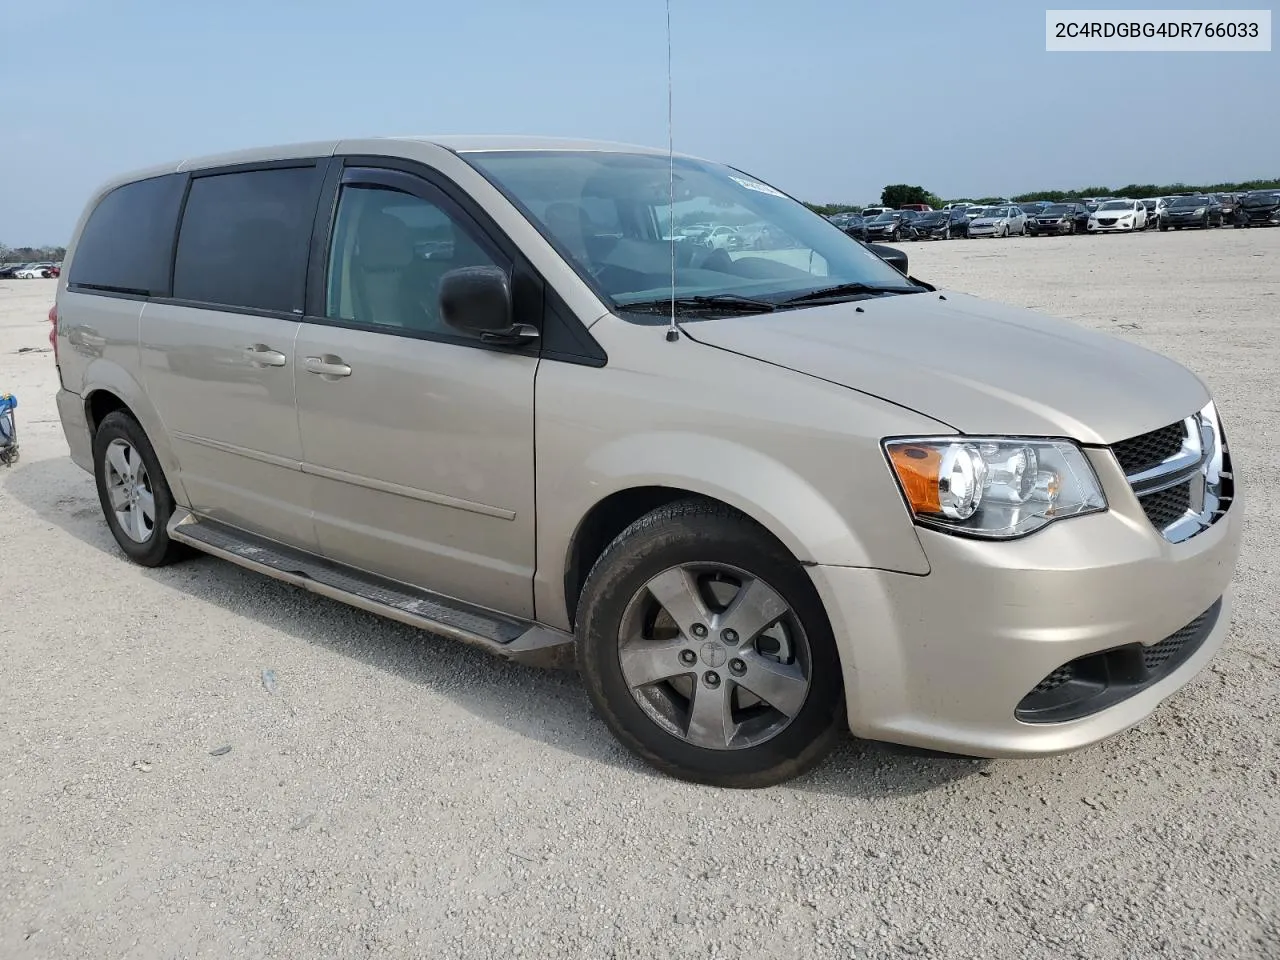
<point>388,253</point>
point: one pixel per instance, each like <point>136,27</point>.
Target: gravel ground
<point>400,795</point>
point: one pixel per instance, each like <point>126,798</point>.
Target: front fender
<point>768,491</point>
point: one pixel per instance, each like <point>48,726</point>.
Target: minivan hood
<point>981,367</point>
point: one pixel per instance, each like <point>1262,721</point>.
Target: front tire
<point>134,494</point>
<point>705,648</point>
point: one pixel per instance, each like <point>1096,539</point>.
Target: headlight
<point>1199,211</point>
<point>996,488</point>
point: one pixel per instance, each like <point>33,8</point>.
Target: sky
<point>829,100</point>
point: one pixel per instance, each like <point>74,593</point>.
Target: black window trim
<point>320,163</point>
<point>418,179</point>
<point>558,324</point>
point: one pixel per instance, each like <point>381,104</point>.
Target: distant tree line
<point>895,195</point>
<point>31,254</point>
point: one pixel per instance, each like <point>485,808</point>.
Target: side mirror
<point>477,300</point>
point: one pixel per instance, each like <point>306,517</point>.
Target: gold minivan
<point>509,391</point>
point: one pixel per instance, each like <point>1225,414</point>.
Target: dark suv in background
<point>1260,208</point>
<point>941,224</point>
<point>894,225</point>
<point>1058,218</point>
<point>1197,210</point>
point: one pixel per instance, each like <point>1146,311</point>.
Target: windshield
<point>1189,202</point>
<point>887,218</point>
<point>1055,210</point>
<point>1261,199</point>
<point>610,216</point>
<point>993,213</point>
<point>1116,205</point>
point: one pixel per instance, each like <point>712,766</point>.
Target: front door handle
<point>327,366</point>
<point>260,355</point>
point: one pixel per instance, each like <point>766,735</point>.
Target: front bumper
<point>1183,221</point>
<point>983,230</point>
<point>942,661</point>
<point>1128,227</point>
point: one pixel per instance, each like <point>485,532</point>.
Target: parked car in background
<point>32,271</point>
<point>1260,208</point>
<point>919,207</point>
<point>872,212</point>
<point>1149,204</point>
<point>1033,207</point>
<point>7,270</point>
<point>1201,211</point>
<point>766,236</point>
<point>892,225</point>
<point>998,222</point>
<point>1057,219</point>
<point>855,225</point>
<point>936,224</point>
<point>723,238</point>
<point>1230,203</point>
<point>1118,216</point>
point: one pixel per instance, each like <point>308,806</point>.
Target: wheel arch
<point>606,520</point>
<point>769,493</point>
<point>108,387</point>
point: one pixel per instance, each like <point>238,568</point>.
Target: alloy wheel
<point>129,490</point>
<point>714,656</point>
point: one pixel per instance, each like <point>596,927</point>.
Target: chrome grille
<point>1166,506</point>
<point>1150,449</point>
<point>1181,474</point>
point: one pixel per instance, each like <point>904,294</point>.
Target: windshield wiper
<point>728,302</point>
<point>846,289</point>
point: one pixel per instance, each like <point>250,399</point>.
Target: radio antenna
<point>673,331</point>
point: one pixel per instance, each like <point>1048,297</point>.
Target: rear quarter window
<point>127,241</point>
<point>244,239</point>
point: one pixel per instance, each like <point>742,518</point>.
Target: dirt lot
<point>404,796</point>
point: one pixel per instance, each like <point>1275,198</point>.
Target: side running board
<point>508,637</point>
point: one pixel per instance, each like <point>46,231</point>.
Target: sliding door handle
<point>260,355</point>
<point>327,366</point>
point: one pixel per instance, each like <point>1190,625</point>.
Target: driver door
<point>419,438</point>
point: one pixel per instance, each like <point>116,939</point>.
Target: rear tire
<point>133,492</point>
<point>710,545</point>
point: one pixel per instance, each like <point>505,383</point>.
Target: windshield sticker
<point>757,186</point>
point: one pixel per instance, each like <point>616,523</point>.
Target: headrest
<point>383,242</point>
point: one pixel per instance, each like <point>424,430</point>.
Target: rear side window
<point>126,242</point>
<point>244,238</point>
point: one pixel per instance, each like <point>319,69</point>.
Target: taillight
<point>53,331</point>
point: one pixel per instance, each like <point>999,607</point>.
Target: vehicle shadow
<point>544,705</point>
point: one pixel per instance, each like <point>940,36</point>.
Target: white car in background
<point>1118,216</point>
<point>32,271</point>
<point>998,222</point>
<point>723,238</point>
